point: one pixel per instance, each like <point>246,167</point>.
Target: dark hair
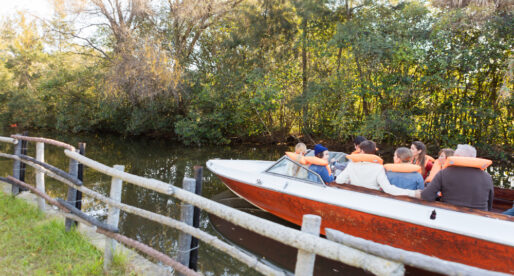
<point>368,147</point>
<point>447,152</point>
<point>359,139</point>
<point>421,157</point>
<point>320,155</point>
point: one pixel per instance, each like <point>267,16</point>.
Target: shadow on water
<point>168,162</point>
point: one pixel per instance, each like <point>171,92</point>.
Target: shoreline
<point>134,263</point>
<point>504,154</point>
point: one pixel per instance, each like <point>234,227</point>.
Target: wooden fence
<point>377,259</point>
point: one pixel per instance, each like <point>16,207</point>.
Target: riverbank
<point>32,243</point>
<point>500,154</point>
<point>36,243</point>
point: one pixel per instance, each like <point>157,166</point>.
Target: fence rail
<point>286,235</point>
<point>8,140</point>
<point>43,140</point>
<point>308,243</point>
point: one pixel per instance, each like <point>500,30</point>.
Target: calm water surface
<point>168,162</point>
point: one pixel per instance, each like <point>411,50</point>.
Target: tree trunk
<point>305,108</point>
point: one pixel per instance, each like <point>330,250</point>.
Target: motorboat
<point>289,190</point>
<point>276,253</point>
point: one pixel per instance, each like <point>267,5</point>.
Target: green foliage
<point>274,68</point>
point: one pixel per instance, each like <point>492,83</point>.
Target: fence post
<point>72,193</point>
<point>23,166</point>
<point>80,175</point>
<point>40,176</point>
<point>186,216</point>
<point>15,189</point>
<point>193,259</point>
<point>113,218</point>
<point>305,260</point>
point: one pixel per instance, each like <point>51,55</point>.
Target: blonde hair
<point>300,148</point>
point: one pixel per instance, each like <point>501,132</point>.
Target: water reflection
<point>167,162</point>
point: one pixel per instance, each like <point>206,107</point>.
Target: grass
<point>31,244</point>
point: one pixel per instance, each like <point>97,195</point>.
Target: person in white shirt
<point>370,175</point>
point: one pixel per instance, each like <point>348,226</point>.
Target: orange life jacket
<point>309,160</point>
<point>364,157</point>
<point>470,162</point>
<point>296,157</point>
<point>402,167</point>
<point>356,151</point>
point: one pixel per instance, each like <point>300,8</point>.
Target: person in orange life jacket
<point>369,174</point>
<point>356,143</point>
<point>419,152</point>
<point>322,152</point>
<point>462,184</point>
<point>293,169</point>
<point>439,163</point>
<point>403,174</point>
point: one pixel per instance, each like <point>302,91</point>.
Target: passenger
<point>293,169</point>
<point>322,153</point>
<point>370,175</point>
<point>402,173</point>
<point>464,184</point>
<point>439,163</point>
<point>419,152</point>
<point>356,142</point>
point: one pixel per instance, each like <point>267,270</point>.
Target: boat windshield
<point>286,167</point>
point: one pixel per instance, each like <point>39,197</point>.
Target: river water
<point>168,162</point>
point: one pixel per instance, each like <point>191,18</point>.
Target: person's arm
<point>387,187</point>
<point>325,176</point>
<point>420,184</point>
<point>344,177</point>
<point>430,192</point>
